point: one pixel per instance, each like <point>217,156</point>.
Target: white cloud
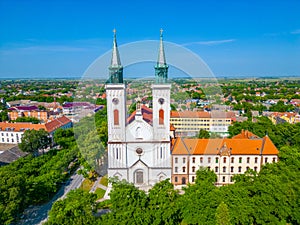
<point>215,42</point>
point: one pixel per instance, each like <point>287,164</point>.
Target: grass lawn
<point>100,193</point>
<point>87,184</point>
<point>104,180</point>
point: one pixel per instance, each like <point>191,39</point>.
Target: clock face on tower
<point>115,101</point>
<point>161,101</point>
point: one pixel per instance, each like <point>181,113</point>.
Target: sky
<point>61,38</point>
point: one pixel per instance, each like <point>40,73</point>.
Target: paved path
<point>39,214</point>
<point>98,185</point>
<point>95,185</point>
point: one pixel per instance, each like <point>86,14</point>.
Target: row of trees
<point>285,134</point>
<point>32,180</point>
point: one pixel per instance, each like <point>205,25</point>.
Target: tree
<point>34,140</point>
<point>41,107</point>
<point>128,205</point>
<point>64,137</point>
<point>200,201</point>
<point>28,120</point>
<point>203,134</point>
<point>222,214</point>
<point>163,207</point>
<point>3,115</point>
<point>77,208</point>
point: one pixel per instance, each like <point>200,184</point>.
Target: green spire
<point>115,68</point>
<point>161,68</point>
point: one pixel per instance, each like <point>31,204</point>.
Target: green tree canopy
<point>222,214</point>
<point>203,134</point>
<point>78,208</point>
<point>34,140</point>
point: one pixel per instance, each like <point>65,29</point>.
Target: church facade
<point>139,146</point>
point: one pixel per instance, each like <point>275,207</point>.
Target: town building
<point>16,112</point>
<point>226,157</point>
<point>77,110</point>
<point>284,117</point>
<point>189,123</point>
<point>11,133</point>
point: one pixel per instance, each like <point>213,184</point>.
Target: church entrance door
<point>139,177</point>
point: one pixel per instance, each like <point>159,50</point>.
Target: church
<point>139,145</point>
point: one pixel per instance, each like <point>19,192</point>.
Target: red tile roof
<point>57,123</point>
<point>50,127</point>
<point>189,114</point>
<point>244,146</point>
<point>245,134</point>
<point>146,112</point>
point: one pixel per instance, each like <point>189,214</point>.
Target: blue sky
<point>235,38</point>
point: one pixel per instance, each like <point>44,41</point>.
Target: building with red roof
<point>226,157</point>
<point>11,133</point>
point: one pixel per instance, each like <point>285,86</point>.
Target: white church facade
<point>139,146</point>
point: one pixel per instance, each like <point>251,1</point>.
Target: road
<point>38,214</point>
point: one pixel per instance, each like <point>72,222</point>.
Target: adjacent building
<point>226,157</point>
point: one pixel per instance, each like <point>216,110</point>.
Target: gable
<point>139,131</point>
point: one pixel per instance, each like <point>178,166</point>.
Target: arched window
<point>138,133</point>
<point>183,169</point>
<point>161,117</point>
<point>224,160</point>
<point>116,117</point>
<point>176,179</point>
<point>224,169</point>
<point>193,169</point>
<point>266,160</point>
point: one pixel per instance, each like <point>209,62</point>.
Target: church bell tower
<point>116,111</point>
